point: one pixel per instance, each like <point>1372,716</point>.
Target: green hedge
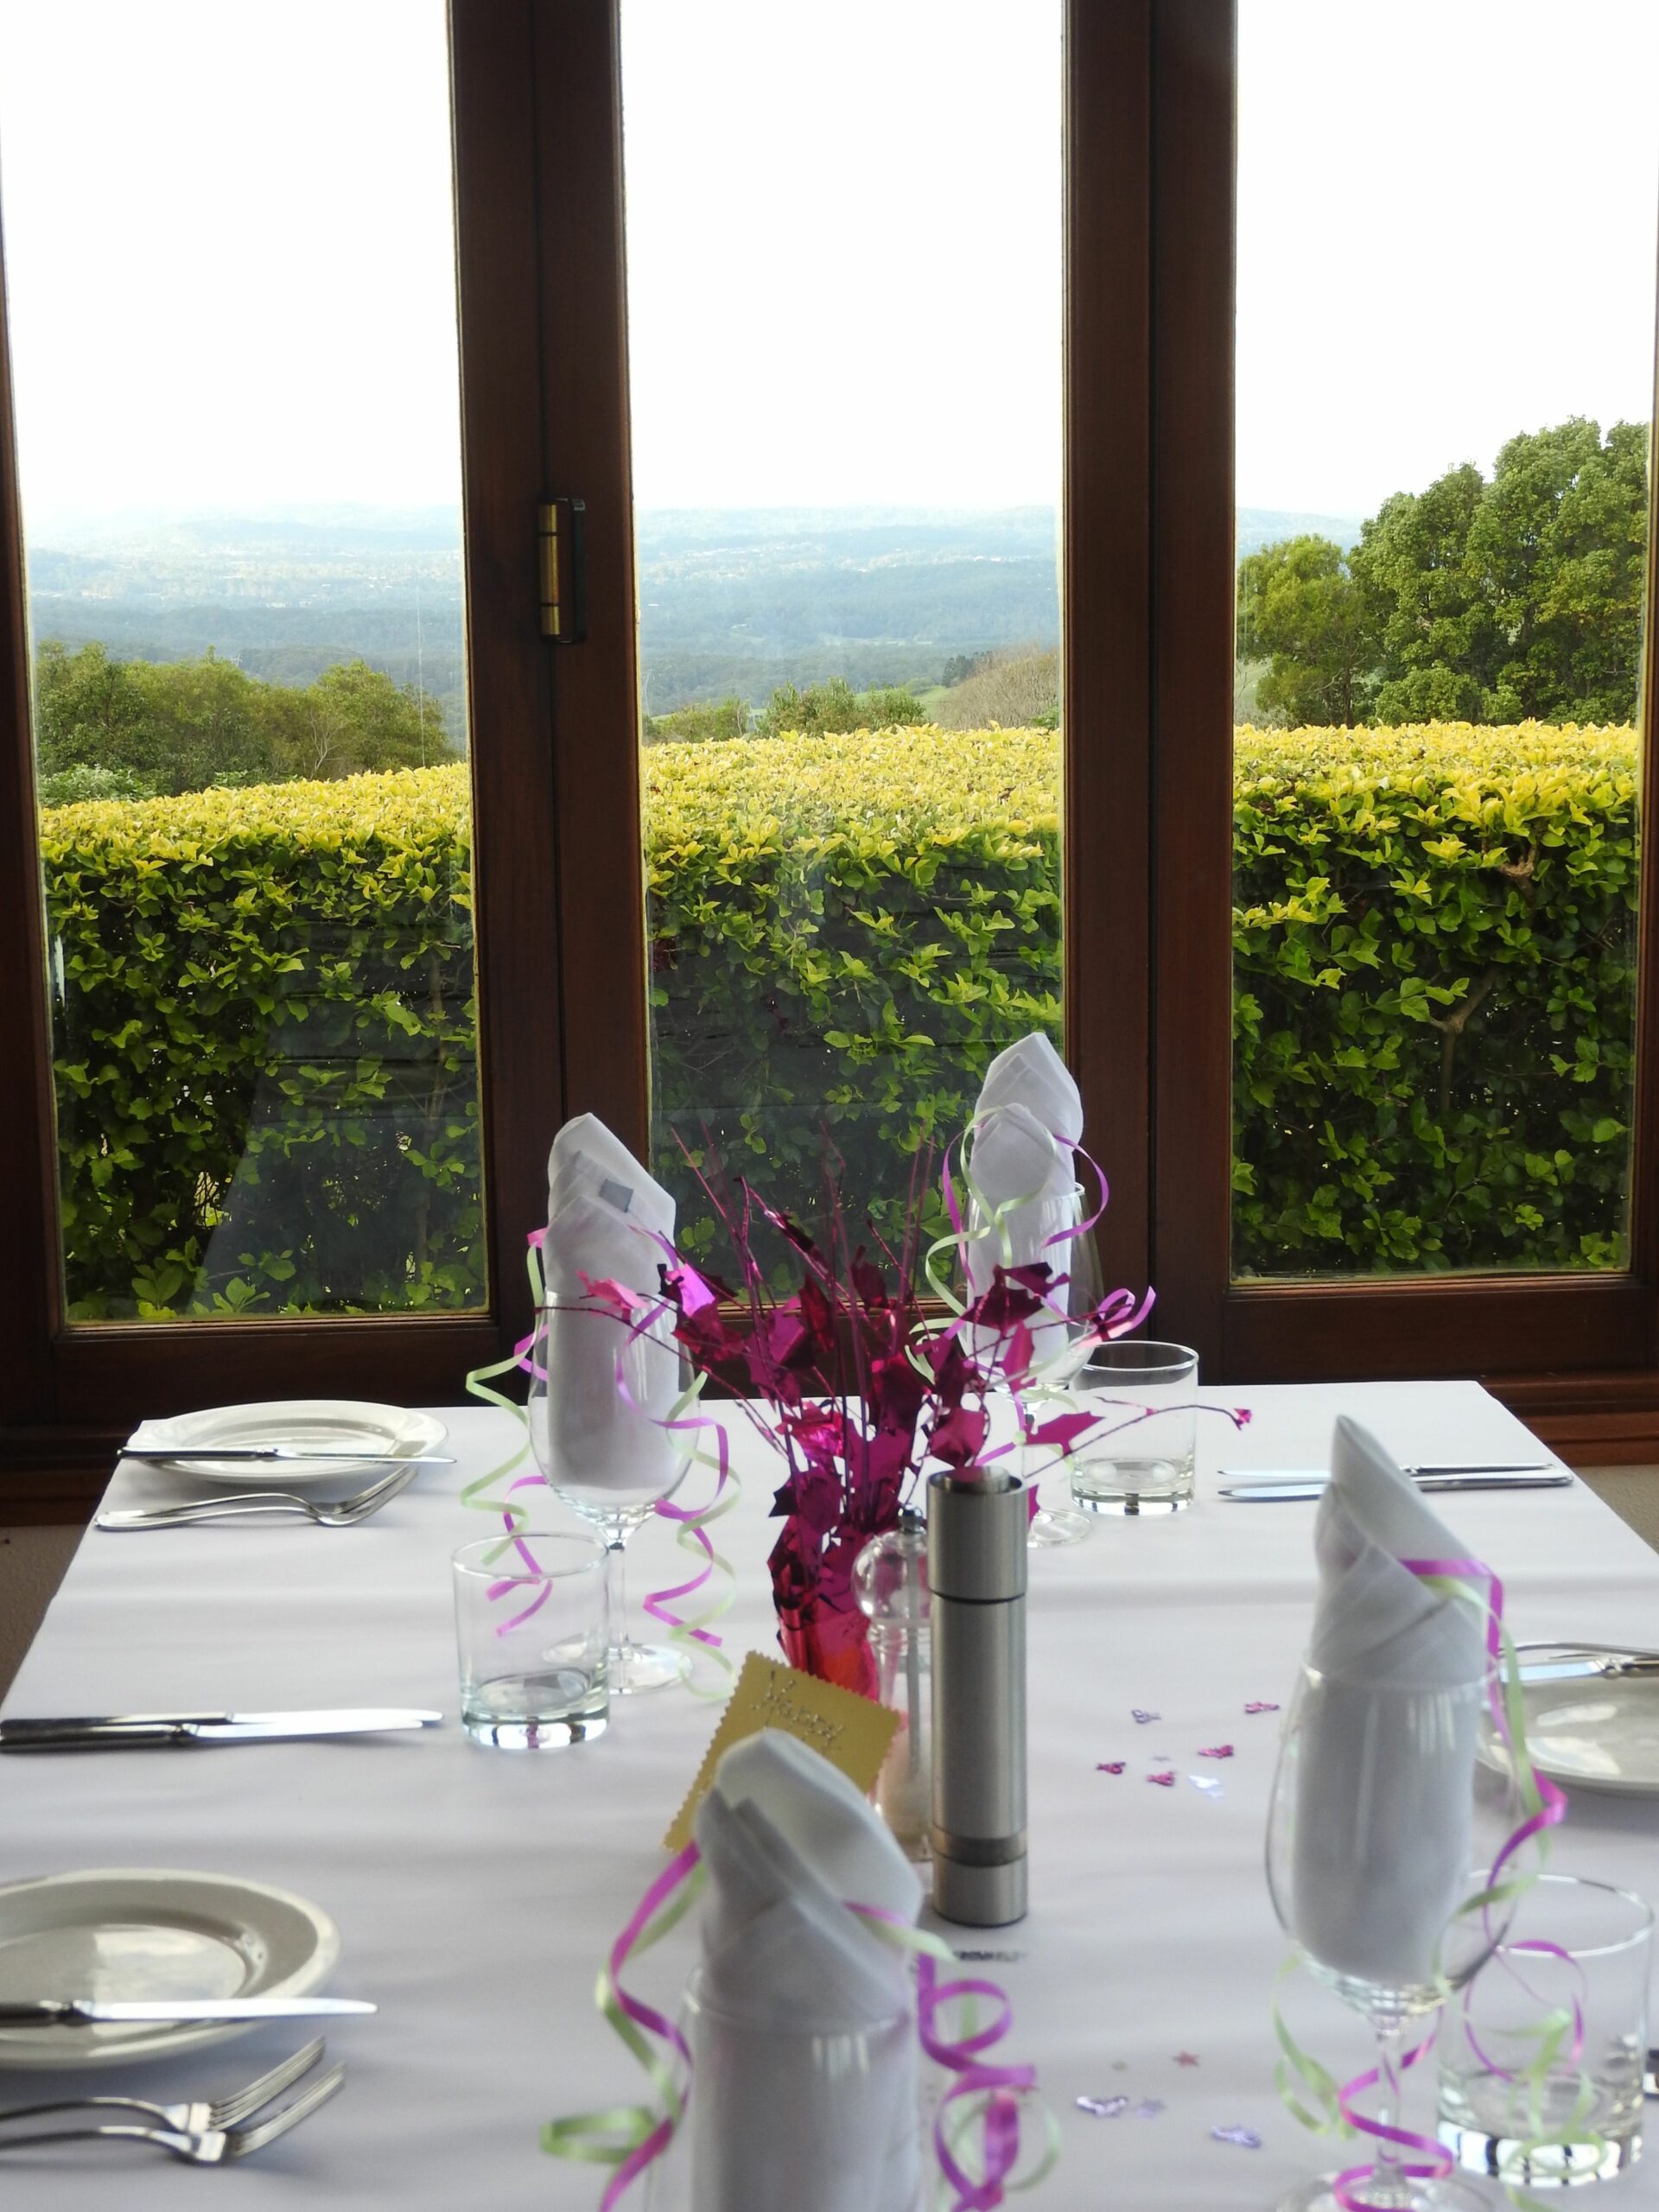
<point>1434,962</point>
<point>265,1069</point>
<point>265,1074</point>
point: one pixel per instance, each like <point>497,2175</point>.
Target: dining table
<point>477,1891</point>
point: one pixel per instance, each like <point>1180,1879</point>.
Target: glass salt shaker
<point>890,1578</point>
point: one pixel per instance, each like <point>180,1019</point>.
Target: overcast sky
<point>229,245</point>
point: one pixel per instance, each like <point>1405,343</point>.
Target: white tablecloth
<point>476,1891</point>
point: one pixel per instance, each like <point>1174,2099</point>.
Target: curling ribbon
<point>631,2137</point>
<point>1543,1807</point>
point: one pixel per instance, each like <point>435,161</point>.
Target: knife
<point>286,1454</point>
<point>1428,1471</point>
<point>1570,1666</point>
<point>1280,1490</point>
<point>88,2011</point>
<point>124,1732</point>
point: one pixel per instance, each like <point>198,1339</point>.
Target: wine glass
<point>1381,1807</point>
<point>1062,1343</point>
<point>603,1392</point>
<point>1058,1334</point>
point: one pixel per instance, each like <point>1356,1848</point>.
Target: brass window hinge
<point>564,567</point>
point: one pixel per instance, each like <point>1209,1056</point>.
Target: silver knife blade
<point>87,2012</point>
<point>286,1454</point>
<point>1294,1489</point>
<point>145,1730</point>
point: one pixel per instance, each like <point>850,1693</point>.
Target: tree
<point>180,726</point>
<point>1301,610</point>
<point>173,725</point>
<point>354,718</point>
<point>1516,600</point>
<point>699,724</point>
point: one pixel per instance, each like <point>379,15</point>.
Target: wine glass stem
<point>616,1585</point>
<point>1387,2184</point>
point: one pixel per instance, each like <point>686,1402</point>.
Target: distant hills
<point>733,600</point>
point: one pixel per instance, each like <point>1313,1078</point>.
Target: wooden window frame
<point>1146,560</point>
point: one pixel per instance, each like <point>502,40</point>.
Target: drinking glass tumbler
<point>1138,1460</point>
<point>1541,2065</point>
<point>532,1626</point>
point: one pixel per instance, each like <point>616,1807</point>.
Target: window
<point>846,431</point>
<point>580,980</point>
<point>238,435</point>
<point>1444,380</point>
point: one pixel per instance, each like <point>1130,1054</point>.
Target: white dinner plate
<point>134,1933</point>
<point>305,1424</point>
<point>1596,1733</point>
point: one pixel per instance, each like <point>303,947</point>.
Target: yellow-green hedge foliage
<point>265,1074</point>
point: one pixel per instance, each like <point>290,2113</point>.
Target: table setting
<point>1177,1835</point>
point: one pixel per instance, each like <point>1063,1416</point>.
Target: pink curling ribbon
<point>999,2084</point>
<point>1551,1808</point>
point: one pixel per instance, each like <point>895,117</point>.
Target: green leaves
<point>1459,1098</point>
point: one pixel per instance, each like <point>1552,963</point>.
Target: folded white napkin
<point>1032,1073</point>
<point>605,1216</point>
<point>1384,1779</point>
<point>786,2109</point>
<point>1028,1118</point>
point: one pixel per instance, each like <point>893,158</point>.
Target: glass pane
<point>229,254</point>
<point>1444,380</point>
<point>843,238</point>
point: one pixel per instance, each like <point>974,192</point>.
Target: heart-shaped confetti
<point>1148,2109</point>
<point>1104,2107</point>
<point>1110,1766</point>
<point>1206,1782</point>
<point>1164,1780</point>
<point>1246,2137</point>
<point>1261,1706</point>
<point>1218,1751</point>
<point>1140,1719</point>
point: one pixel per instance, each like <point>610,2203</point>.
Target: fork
<point>239,1503</point>
<point>202,2119</point>
<point>207,2146</point>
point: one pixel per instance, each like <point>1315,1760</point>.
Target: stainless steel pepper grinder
<point>977,1580</point>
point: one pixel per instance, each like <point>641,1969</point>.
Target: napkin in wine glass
<point>607,1220</point>
<point>1380,1773</point>
<point>783,2110</point>
<point>1028,1118</point>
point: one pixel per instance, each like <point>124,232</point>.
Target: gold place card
<point>852,1733</point>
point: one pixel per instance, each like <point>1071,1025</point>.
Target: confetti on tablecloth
<point>1217,1752</point>
<point>1141,1719</point>
<point>1110,1766</point>
<point>1262,1706</point>
<point>1245,2138</point>
<point>1166,1781</point>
